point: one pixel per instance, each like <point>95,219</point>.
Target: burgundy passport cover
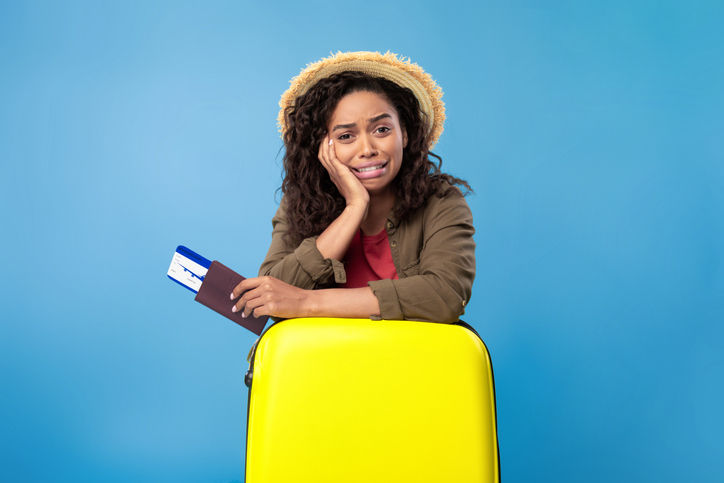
<point>218,283</point>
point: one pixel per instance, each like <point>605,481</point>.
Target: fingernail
<point>243,315</point>
<point>330,142</point>
<point>233,309</point>
<point>231,297</point>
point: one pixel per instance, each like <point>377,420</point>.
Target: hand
<point>270,296</point>
<point>346,182</point>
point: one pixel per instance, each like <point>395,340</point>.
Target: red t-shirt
<point>368,258</point>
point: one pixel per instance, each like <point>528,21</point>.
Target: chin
<point>375,189</point>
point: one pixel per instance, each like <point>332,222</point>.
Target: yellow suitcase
<point>356,400</point>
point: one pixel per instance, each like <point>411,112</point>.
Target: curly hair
<point>312,200</point>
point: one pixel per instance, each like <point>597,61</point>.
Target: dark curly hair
<point>312,200</point>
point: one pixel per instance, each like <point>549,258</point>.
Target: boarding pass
<point>188,268</point>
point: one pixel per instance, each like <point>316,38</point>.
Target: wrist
<point>311,303</point>
<point>358,207</point>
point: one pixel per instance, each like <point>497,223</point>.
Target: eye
<point>383,129</point>
<point>344,137</point>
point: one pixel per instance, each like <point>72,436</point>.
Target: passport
<point>212,281</point>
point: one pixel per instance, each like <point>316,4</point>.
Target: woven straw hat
<point>389,66</point>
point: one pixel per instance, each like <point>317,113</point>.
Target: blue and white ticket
<point>188,268</point>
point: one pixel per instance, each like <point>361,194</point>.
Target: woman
<point>368,226</point>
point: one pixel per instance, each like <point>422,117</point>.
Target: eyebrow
<point>369,121</point>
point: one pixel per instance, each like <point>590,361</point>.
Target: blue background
<point>590,131</point>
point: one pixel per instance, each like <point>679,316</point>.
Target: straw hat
<point>389,66</point>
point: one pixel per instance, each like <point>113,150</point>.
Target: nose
<point>367,146</point>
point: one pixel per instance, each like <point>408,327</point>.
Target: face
<point>368,139</point>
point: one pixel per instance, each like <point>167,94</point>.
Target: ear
<point>404,138</point>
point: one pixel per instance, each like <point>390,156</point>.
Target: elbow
<point>455,297</point>
<point>451,313</point>
<point>450,304</point>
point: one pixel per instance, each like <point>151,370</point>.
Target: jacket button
<point>393,243</point>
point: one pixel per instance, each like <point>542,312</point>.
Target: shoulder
<point>448,201</point>
<point>445,208</point>
<point>448,192</point>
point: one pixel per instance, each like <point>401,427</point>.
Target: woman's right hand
<point>335,239</point>
<point>349,186</point>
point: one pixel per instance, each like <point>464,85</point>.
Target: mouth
<point>370,171</point>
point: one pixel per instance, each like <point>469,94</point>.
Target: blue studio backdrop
<point>591,133</point>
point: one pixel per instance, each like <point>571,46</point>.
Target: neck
<point>380,206</point>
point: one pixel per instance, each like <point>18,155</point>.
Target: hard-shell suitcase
<point>357,400</point>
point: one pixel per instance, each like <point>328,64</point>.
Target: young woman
<point>368,226</point>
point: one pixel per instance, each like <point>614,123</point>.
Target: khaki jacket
<point>433,251</point>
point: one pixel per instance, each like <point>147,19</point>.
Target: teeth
<point>371,168</point>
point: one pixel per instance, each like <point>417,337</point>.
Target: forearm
<point>335,239</point>
<point>342,302</point>
<point>430,298</point>
<point>302,264</point>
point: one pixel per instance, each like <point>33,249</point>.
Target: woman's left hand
<point>270,296</point>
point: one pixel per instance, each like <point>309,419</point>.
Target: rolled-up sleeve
<point>442,286</point>
<point>302,266</point>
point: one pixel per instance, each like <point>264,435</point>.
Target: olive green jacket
<point>433,251</point>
